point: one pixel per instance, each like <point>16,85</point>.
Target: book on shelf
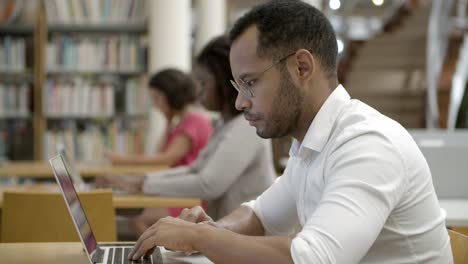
<point>15,99</point>
<point>127,136</point>
<point>89,142</point>
<point>79,97</point>
<point>13,12</point>
<point>95,53</point>
<point>10,11</point>
<point>96,11</point>
<point>15,140</point>
<point>85,97</point>
<point>12,54</point>
<point>137,100</point>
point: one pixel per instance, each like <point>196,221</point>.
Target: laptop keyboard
<point>118,255</point>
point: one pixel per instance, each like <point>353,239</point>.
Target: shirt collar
<point>321,127</point>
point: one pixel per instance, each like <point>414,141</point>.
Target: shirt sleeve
<point>180,170</point>
<point>223,166</point>
<point>364,180</point>
<point>276,209</point>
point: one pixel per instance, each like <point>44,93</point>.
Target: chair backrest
<point>459,243</point>
<point>43,216</point>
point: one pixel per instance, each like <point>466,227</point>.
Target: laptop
<point>77,180</point>
<point>75,175</point>
<point>97,253</point>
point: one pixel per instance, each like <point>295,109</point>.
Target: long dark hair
<point>215,57</point>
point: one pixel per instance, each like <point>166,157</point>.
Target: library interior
<point>118,114</point>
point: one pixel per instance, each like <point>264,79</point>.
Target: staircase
<point>388,71</point>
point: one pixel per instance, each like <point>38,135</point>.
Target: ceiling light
<point>378,2</point>
<point>334,4</point>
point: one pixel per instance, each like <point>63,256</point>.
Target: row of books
<point>79,97</point>
<point>90,143</point>
<point>15,99</point>
<point>91,97</point>
<point>16,140</point>
<point>86,53</point>
<point>18,12</point>
<point>95,11</point>
<point>128,136</point>
<point>12,54</point>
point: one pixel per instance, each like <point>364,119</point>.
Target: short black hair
<point>285,26</point>
<point>215,57</point>
<point>177,86</point>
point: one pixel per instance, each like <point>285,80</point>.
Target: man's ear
<point>303,65</point>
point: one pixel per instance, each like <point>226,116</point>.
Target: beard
<point>287,109</point>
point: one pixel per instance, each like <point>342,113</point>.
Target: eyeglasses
<point>246,87</point>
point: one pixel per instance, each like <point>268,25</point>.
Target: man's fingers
<point>147,234</point>
<point>145,246</point>
<point>209,222</point>
<point>191,215</point>
<point>139,247</point>
<point>194,215</point>
<point>150,252</point>
<point>184,213</point>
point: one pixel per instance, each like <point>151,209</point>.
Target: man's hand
<point>195,215</point>
<point>169,232</point>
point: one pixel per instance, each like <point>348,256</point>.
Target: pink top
<point>198,128</point>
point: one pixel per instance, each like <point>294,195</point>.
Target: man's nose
<point>242,102</point>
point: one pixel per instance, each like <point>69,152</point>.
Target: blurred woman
<point>236,165</point>
<point>173,92</point>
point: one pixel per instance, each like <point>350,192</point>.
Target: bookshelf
<point>81,80</point>
<point>95,77</point>
<point>16,87</point>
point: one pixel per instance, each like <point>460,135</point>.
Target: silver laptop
<point>97,253</point>
<point>78,181</point>
<point>76,177</point>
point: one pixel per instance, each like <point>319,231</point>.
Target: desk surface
<point>42,169</point>
<point>70,253</point>
<point>121,201</point>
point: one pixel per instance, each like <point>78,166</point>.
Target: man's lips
<point>250,119</point>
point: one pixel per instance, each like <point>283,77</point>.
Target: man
<point>356,188</point>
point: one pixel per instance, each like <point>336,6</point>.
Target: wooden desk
<point>70,253</point>
<point>121,201</point>
<point>42,169</point>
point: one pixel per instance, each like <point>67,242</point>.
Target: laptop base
<point>117,253</point>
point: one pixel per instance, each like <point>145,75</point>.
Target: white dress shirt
<point>357,190</point>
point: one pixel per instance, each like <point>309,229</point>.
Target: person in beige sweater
<point>236,166</point>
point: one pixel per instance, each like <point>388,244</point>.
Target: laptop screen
<point>71,168</point>
<point>73,202</point>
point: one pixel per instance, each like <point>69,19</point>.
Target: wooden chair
<point>459,243</point>
<point>43,216</point>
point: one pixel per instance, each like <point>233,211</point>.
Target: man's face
<point>275,107</point>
